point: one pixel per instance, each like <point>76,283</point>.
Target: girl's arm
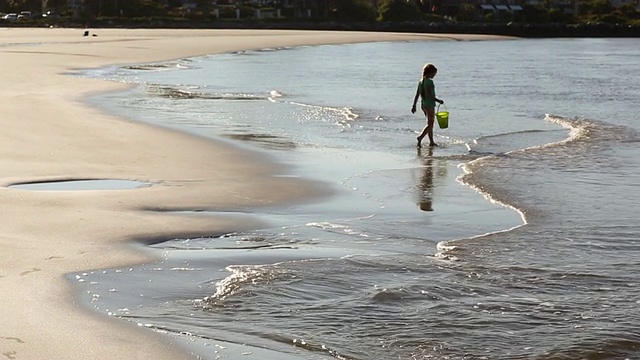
<point>415,100</point>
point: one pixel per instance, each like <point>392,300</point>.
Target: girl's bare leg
<point>430,134</point>
<point>422,135</point>
<point>431,119</point>
<point>425,130</point>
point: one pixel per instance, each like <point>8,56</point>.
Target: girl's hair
<point>429,69</point>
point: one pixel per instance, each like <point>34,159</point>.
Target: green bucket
<point>443,117</point>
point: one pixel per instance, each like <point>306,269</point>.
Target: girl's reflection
<point>425,188</point>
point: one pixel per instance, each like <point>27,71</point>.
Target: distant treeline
<point>573,18</point>
<point>511,29</point>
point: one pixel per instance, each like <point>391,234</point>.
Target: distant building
<point>516,5</point>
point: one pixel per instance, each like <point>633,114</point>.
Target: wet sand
<point>48,133</point>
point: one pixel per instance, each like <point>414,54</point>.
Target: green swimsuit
<point>424,85</point>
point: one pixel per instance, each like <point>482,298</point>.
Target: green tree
<point>535,14</point>
<point>629,10</point>
<point>204,8</point>
<point>24,5</point>
<point>467,12</point>
<point>615,17</point>
<point>353,10</point>
<point>556,15</point>
<point>55,5</point>
<point>398,10</point>
<point>145,8</point>
<point>128,8</point>
<point>595,7</point>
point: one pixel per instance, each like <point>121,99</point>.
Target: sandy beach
<point>48,133</point>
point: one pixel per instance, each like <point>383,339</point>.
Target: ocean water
<point>516,238</point>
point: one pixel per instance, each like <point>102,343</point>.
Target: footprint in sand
<point>29,271</point>
<point>10,354</point>
<point>18,340</point>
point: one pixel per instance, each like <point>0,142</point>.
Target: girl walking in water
<point>427,91</point>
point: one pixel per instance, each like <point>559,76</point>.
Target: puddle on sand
<point>68,185</point>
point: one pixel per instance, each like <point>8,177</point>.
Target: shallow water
<point>532,253</point>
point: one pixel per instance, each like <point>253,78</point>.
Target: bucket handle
<point>438,108</point>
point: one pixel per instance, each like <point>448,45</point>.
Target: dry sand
<point>47,133</point>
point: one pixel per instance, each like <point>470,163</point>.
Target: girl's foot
<point>433,144</point>
<point>419,142</point>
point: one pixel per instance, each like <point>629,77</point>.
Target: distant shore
<point>526,30</point>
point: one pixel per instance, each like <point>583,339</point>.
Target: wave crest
<point>186,93</point>
<point>241,275</point>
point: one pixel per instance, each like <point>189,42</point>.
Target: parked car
<point>10,17</point>
<point>24,15</point>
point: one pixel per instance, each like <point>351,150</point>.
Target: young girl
<point>427,91</point>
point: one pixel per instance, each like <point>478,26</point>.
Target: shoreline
<point>51,134</point>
